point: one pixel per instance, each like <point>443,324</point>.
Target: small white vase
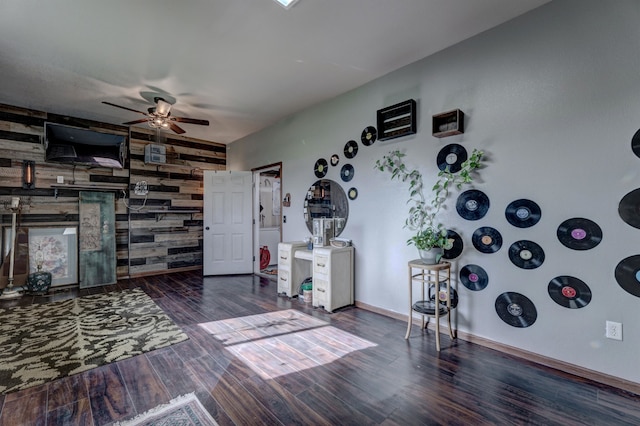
<point>431,256</point>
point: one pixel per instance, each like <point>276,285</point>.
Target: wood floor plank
<point>30,409</point>
<point>108,394</point>
<point>76,413</point>
<point>144,386</point>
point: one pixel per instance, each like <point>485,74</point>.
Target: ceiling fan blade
<point>128,109</point>
<point>176,128</point>
<point>190,120</point>
<point>142,120</point>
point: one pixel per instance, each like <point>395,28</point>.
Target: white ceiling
<point>241,64</point>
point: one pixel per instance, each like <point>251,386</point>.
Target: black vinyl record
<point>458,245</point>
<point>335,159</point>
<point>425,305</point>
<point>452,156</point>
<point>350,149</point>
<point>516,309</point>
<point>472,204</point>
<point>487,239</point>
<point>628,274</point>
<point>635,143</point>
<point>352,193</point>
<point>629,208</point>
<point>347,172</point>
<point>569,292</point>
<point>523,213</point>
<point>526,254</point>
<point>579,233</point>
<point>321,167</point>
<point>474,277</point>
<point>368,136</point>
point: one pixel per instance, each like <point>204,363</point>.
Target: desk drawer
<point>321,264</point>
<point>284,284</point>
<point>320,292</point>
<point>284,257</point>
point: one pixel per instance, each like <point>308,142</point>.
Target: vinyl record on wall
<point>523,213</point>
<point>472,204</point>
<point>516,309</point>
<point>526,254</point>
<point>458,245</point>
<point>629,208</point>
<point>352,193</point>
<point>635,143</point>
<point>487,239</point>
<point>569,292</point>
<point>579,233</point>
<point>474,277</point>
<point>452,156</point>
<point>320,168</point>
<point>335,159</point>
<point>350,149</point>
<point>368,136</point>
<point>347,172</point>
<point>627,274</point>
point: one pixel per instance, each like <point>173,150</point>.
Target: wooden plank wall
<point>149,240</point>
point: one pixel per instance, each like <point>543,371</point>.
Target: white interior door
<point>227,233</point>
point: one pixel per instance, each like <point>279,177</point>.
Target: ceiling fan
<point>159,117</point>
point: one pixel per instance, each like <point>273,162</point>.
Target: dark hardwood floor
<point>352,367</point>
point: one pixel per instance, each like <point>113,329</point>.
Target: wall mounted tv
<point>72,145</point>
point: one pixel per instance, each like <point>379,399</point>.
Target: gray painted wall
<point>553,99</point>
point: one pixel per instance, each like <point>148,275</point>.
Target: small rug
<point>41,343</point>
<point>185,410</point>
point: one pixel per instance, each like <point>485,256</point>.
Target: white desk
<point>331,269</point>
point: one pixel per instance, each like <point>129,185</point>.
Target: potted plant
<point>431,237</point>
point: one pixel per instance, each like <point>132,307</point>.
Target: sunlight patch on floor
<point>283,342</point>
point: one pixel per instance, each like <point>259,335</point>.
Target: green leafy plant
<point>422,213</point>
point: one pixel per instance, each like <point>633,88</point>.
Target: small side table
<point>439,305</point>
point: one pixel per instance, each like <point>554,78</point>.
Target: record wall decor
<point>456,249</point>
<point>350,149</point>
<point>352,193</point>
<point>474,277</point>
<point>452,156</point>
<point>516,309</point>
<point>579,233</point>
<point>442,294</point>
<point>487,239</point>
<point>472,204</point>
<point>523,213</point>
<point>569,292</point>
<point>335,159</point>
<point>627,274</point>
<point>526,254</point>
<point>635,143</point>
<point>320,168</point>
<point>629,208</point>
<point>347,172</point>
<point>368,136</point>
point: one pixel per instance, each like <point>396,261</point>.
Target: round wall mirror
<point>326,199</point>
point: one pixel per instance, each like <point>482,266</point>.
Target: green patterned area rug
<point>41,343</point>
<point>185,410</point>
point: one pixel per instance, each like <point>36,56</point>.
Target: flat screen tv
<point>72,145</point>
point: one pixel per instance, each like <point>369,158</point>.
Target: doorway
<point>268,218</point>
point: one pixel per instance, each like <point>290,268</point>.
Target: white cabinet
<point>331,269</point>
<point>332,277</point>
<point>291,273</point>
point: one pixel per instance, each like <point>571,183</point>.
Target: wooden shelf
<point>448,123</point>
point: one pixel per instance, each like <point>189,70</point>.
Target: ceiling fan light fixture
<point>162,107</point>
<point>287,4</point>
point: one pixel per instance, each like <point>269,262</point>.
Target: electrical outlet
<point>613,330</point>
<point>141,188</point>
<point>60,179</point>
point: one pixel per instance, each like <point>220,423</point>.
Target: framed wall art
<point>56,248</point>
